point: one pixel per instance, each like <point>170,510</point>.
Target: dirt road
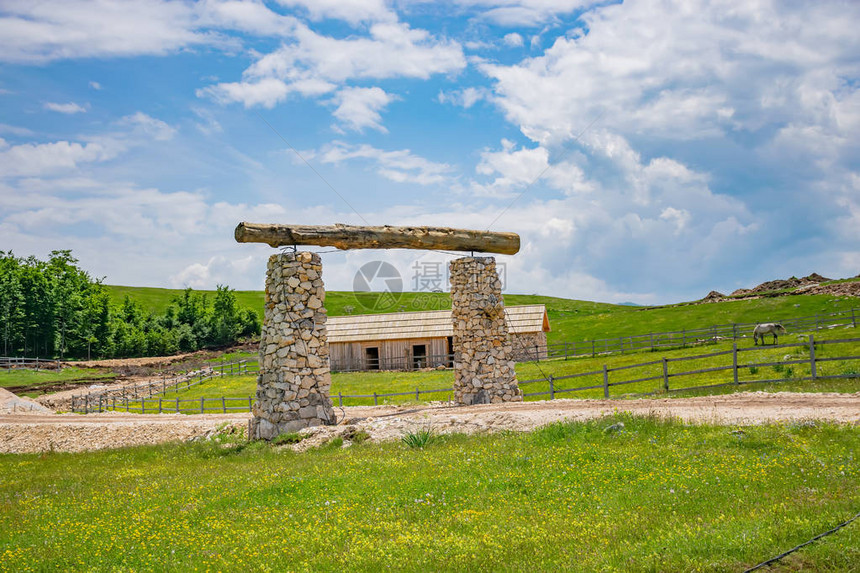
<point>70,432</point>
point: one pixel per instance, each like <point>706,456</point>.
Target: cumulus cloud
<point>359,108</point>
<point>314,64</point>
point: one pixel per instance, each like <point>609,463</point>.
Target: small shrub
<point>360,436</point>
<point>778,368</point>
<point>418,439</point>
<point>753,369</point>
<point>288,438</point>
<point>333,444</point>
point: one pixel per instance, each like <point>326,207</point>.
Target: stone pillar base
<point>483,354</point>
<point>294,381</point>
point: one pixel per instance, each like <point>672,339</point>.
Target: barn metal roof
<point>427,324</point>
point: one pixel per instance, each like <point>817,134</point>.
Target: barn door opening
<point>419,356</point>
<point>371,358</point>
<point>450,352</point>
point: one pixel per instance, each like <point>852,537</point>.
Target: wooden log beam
<point>347,237</point>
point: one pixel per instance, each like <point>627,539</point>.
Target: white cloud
<point>150,126</point>
<point>352,11</point>
<point>401,166</point>
<point>465,98</point>
<point>513,40</point>
<point>250,16</point>
<point>60,29</point>
<point>15,130</point>
<point>67,108</point>
<point>684,73</point>
<point>315,64</point>
<point>31,159</point>
<point>358,108</point>
<point>528,13</point>
<point>267,92</point>
<point>95,85</point>
<point>680,217</point>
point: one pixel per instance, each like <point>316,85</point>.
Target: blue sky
<point>645,151</point>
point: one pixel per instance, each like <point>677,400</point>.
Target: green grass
<point>366,383</point>
<point>653,496</point>
<point>22,377</point>
<point>570,320</point>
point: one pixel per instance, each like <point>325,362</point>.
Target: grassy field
<point>17,377</point>
<point>654,496</point>
<point>570,320</point>
<point>752,367</point>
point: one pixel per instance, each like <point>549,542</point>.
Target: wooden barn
<point>411,340</point>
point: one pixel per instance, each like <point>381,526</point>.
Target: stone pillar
<point>294,380</point>
<point>483,353</point>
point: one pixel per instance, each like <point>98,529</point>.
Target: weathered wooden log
<point>347,237</point>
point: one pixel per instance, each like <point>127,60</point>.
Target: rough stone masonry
<point>294,380</point>
<point>483,354</point>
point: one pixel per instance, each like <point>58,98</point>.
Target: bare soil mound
<point>10,404</point>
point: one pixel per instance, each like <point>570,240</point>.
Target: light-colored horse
<point>773,328</point>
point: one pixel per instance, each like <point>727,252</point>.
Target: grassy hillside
<point>571,320</point>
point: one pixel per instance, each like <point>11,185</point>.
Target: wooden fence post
<point>224,400</point>
<point>735,362</point>
<point>100,403</point>
<point>551,388</point>
<point>605,382</point>
<point>340,399</point>
<point>202,398</point>
<point>177,404</point>
<point>593,351</point>
<point>160,409</point>
<point>853,319</point>
<point>417,396</point>
<point>250,404</point>
<point>375,401</point>
<point>734,331</point>
<point>812,355</point>
<point>666,375</point>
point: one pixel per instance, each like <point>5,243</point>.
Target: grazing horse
<point>773,328</point>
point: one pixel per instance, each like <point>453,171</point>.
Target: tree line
<point>54,309</point>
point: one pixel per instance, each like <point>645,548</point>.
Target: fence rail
<point>10,362</point>
<point>601,379</point>
<point>143,392</point>
<point>717,332</point>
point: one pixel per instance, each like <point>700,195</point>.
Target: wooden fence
<point>96,401</point>
<point>604,379</point>
<point>10,362</point>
